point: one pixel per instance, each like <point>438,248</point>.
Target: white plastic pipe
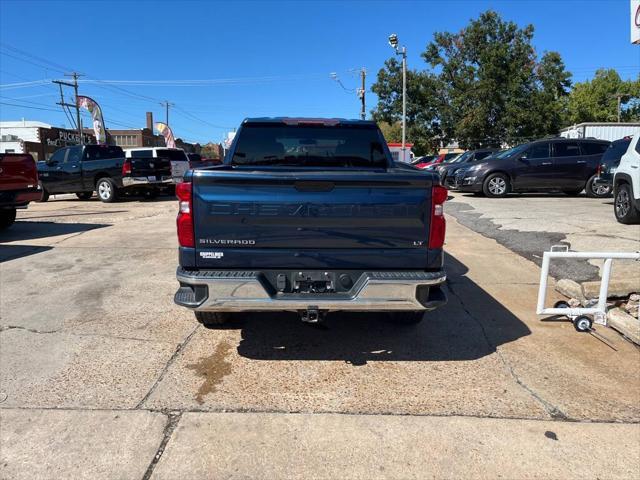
<point>604,285</point>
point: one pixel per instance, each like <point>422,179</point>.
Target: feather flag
<point>167,133</point>
<point>96,114</point>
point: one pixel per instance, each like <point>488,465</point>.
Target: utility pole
<point>75,76</point>
<point>361,93</point>
<point>167,104</point>
<point>619,101</point>
<point>393,41</point>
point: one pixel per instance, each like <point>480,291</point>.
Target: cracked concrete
<point>530,224</point>
<point>88,329</point>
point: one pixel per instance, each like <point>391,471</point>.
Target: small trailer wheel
<point>583,324</point>
<point>561,304</point>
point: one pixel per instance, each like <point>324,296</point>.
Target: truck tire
<point>624,205</point>
<point>107,190</point>
<point>407,318</point>
<point>7,217</point>
<point>597,191</point>
<point>496,185</point>
<point>84,195</point>
<point>212,319</point>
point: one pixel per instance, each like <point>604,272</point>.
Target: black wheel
<point>624,207</point>
<point>496,185</point>
<point>84,195</point>
<point>107,190</point>
<point>7,217</point>
<point>583,324</point>
<point>561,304</point>
<point>45,195</point>
<point>572,193</point>
<point>597,191</point>
<point>407,318</point>
<point>212,319</point>
<point>150,194</point>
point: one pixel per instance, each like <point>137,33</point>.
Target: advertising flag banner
<point>96,114</point>
<point>167,133</point>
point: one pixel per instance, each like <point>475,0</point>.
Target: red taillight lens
<point>438,223</point>
<point>184,222</point>
<point>126,167</point>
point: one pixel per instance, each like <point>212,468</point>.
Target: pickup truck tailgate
<point>145,167</point>
<point>329,219</point>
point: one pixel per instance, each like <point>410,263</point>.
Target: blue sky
<point>276,57</point>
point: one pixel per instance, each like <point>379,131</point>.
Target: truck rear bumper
<point>238,291</point>
<point>146,181</point>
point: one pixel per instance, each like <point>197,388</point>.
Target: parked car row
<point>568,165</point>
<point>112,172</point>
<point>554,164</point>
<point>108,170</point>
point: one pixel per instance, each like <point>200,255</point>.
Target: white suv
<point>626,185</point>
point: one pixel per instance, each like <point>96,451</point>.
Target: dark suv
<point>558,164</point>
<point>447,171</point>
<point>609,162</point>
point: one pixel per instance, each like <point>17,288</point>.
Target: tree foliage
<point>485,87</point>
<point>596,100</point>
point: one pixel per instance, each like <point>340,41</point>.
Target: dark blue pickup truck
<point>310,216</point>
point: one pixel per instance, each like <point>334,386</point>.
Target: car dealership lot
<point>91,341</point>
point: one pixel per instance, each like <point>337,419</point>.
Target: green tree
<point>596,100</point>
<point>392,131</point>
<point>485,87</point>
<point>422,105</point>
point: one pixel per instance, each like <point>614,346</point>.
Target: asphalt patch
<point>529,245</point>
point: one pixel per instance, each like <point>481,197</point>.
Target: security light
<point>393,40</point>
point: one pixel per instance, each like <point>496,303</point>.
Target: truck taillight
<point>184,222</point>
<point>438,223</point>
<point>126,167</point>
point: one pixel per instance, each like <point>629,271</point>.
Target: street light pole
<point>393,41</point>
<point>404,103</point>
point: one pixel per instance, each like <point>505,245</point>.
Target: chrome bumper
<point>238,291</point>
<point>133,181</point>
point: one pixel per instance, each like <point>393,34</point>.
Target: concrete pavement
<point>88,328</point>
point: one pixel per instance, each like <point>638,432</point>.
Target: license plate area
<point>313,282</point>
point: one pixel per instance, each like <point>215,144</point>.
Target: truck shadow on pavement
<point>469,327</point>
<point>23,231</point>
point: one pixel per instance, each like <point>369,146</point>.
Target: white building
<point>602,131</point>
<point>14,134</point>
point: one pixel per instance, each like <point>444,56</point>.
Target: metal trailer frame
<point>580,316</point>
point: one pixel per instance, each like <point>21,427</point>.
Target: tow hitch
<point>312,315</point>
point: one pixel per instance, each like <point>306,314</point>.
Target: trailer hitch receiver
<point>312,315</point>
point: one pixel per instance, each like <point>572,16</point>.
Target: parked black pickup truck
<point>103,169</point>
<point>310,216</point>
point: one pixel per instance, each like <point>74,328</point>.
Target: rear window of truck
<point>172,154</point>
<point>309,146</point>
<point>100,152</point>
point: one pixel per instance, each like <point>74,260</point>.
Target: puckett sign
<point>57,137</point>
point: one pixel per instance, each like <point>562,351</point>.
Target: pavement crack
<point>173,418</point>
<point>553,411</point>
<point>177,351</point>
<point>32,330</point>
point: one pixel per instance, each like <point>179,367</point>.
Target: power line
<point>27,106</point>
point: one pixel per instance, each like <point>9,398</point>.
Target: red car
<point>18,185</point>
<point>442,158</point>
